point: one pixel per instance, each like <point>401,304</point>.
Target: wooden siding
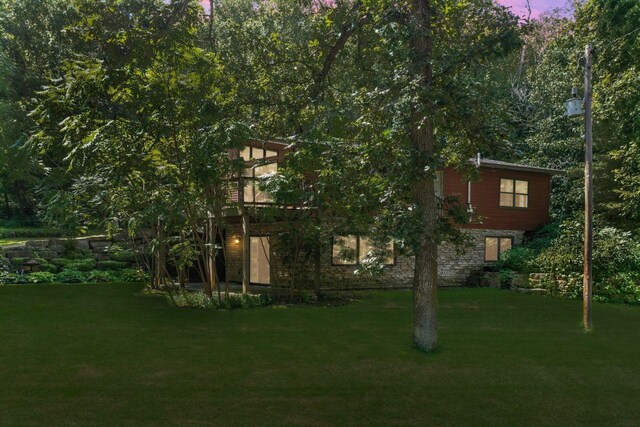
<point>485,198</point>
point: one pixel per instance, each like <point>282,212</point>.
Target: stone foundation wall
<point>454,265</point>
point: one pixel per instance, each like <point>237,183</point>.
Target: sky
<point>517,6</point>
<point>537,6</point>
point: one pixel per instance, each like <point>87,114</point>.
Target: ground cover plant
<point>110,355</point>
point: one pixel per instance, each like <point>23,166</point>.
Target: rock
<point>99,246</point>
<point>48,254</point>
<point>83,244</point>
<point>56,248</point>
<point>37,244</point>
<point>19,254</point>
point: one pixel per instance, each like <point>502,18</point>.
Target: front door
<point>260,268</point>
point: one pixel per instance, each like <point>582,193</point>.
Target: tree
<point>377,95</point>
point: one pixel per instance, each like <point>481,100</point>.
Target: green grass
<point>107,355</point>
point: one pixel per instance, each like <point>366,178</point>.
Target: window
<point>256,153</point>
<point>252,191</point>
<point>345,250</point>
<point>354,250</point>
<point>494,247</point>
<point>514,193</point>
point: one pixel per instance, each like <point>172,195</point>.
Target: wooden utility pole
<point>588,190</point>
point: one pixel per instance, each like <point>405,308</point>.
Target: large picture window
<point>354,250</point>
<point>494,247</point>
<point>253,176</point>
<point>514,193</point>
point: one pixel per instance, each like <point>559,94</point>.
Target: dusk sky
<point>537,6</point>
<point>517,6</point>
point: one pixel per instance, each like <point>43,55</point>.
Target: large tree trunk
<point>425,335</point>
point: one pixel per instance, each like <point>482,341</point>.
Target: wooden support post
<point>588,191</point>
<point>210,240</point>
<point>246,239</point>
<point>161,256</point>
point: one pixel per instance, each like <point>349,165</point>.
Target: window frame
<point>514,193</point>
<point>357,254</point>
<point>252,180</point>
<point>263,156</point>
<point>499,246</point>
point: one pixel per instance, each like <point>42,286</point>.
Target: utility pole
<point>588,191</point>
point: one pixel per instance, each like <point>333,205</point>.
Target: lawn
<point>107,355</point>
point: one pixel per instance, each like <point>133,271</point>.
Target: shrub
<point>133,275</point>
<point>616,264</point>
<point>13,278</point>
<point>519,258</point>
<point>41,277</point>
<point>98,276</point>
<point>111,265</point>
<point>61,262</point>
<point>181,298</point>
<point>123,255</point>
<point>86,264</point>
<point>71,276</point>
<point>48,268</point>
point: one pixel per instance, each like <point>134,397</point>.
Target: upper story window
<point>354,250</point>
<point>514,193</point>
<point>253,175</point>
<point>256,153</point>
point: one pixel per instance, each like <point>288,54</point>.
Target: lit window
<point>514,193</point>
<point>345,249</point>
<point>256,153</point>
<point>245,153</point>
<point>252,191</point>
<point>353,250</point>
<point>494,247</point>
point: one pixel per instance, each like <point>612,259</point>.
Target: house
<point>508,199</point>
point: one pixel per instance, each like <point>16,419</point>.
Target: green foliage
<point>7,278</point>
<point>182,298</point>
<point>28,232</point>
<point>42,277</point>
<point>98,276</point>
<point>127,256</point>
<point>133,275</point>
<point>616,263</point>
<point>71,276</point>
<point>86,264</point>
<point>112,265</point>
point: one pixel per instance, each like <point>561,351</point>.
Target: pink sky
<point>517,6</point>
<point>537,6</point>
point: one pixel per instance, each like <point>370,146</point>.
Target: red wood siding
<point>485,198</point>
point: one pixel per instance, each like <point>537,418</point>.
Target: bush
<point>98,276</point>
<point>519,258</point>
<point>616,264</point>
<point>13,278</point>
<point>71,276</point>
<point>41,277</point>
<point>133,275</point>
<point>111,265</point>
<point>123,255</point>
<point>61,262</point>
<point>86,264</point>
<point>181,298</point>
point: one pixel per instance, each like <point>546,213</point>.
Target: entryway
<point>260,267</point>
